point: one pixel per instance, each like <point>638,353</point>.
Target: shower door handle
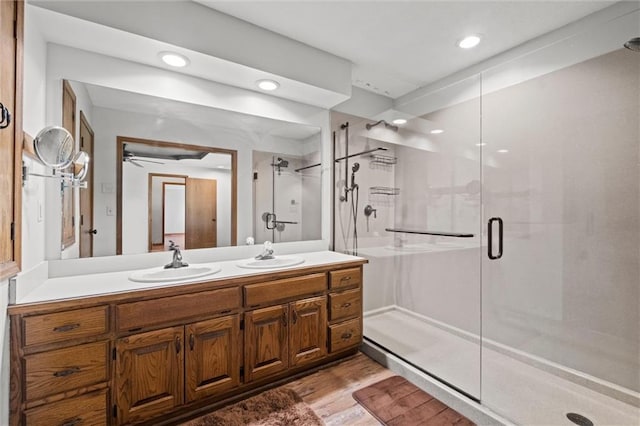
<point>490,238</point>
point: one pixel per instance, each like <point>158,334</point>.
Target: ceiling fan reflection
<point>137,160</point>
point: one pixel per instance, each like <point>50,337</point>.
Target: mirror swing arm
<point>54,147</point>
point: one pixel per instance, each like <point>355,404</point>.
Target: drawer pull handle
<point>67,372</point>
<point>346,305</point>
<point>348,278</point>
<point>178,345</point>
<point>192,341</point>
<point>346,336</point>
<point>67,327</point>
<point>72,422</point>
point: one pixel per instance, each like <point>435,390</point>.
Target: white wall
<point>135,193</point>
<point>174,206</point>
<point>156,206</point>
<point>91,68</point>
<point>109,124</point>
<point>83,103</point>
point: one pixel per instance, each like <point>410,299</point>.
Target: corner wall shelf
<point>385,160</point>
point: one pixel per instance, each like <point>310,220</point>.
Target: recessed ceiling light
<point>503,151</point>
<point>268,85</point>
<point>481,144</point>
<point>174,59</point>
<point>399,121</point>
<point>469,41</point>
<point>436,131</point>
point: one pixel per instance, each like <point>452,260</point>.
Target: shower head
<point>633,44</point>
<point>369,126</point>
<point>356,167</point>
<point>281,162</point>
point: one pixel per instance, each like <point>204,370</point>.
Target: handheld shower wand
<point>354,169</point>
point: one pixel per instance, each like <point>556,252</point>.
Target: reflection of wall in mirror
<point>156,205</point>
<point>296,195</point>
<point>83,103</point>
<point>109,124</point>
<point>135,187</point>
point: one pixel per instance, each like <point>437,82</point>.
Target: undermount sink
<point>277,262</point>
<point>162,275</point>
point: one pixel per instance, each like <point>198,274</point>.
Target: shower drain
<point>579,419</point>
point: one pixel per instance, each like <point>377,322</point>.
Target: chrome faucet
<point>177,257</point>
<point>267,252</point>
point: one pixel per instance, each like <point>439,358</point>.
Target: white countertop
<point>117,282</point>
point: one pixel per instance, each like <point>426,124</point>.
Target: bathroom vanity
<point>158,354</point>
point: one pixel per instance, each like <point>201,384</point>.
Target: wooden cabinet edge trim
<point>9,269</point>
<point>153,293</point>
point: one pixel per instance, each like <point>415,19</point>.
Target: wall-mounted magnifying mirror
<point>54,147</point>
<point>80,166</point>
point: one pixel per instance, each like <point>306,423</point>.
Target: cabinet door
<point>212,357</point>
<point>149,374</point>
<point>308,331</point>
<point>266,342</point>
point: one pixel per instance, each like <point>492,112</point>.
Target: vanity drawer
<point>276,291</point>
<point>345,278</point>
<point>147,313</point>
<point>85,410</point>
<point>52,372</point>
<point>345,305</point>
<point>64,326</point>
<point>345,334</point>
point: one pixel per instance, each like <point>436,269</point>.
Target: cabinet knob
<point>346,336</point>
<point>5,119</point>
<point>69,371</point>
<point>72,422</point>
<point>67,327</point>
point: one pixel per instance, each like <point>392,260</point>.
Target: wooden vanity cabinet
<point>149,374</point>
<point>153,356</point>
<point>285,336</point>
<point>212,357</point>
<point>153,368</point>
<point>266,342</point>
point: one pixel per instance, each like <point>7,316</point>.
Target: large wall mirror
<point>200,177</point>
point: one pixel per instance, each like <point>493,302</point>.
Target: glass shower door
<point>432,239</point>
<point>560,283</point>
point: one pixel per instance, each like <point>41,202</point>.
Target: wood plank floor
<point>328,392</point>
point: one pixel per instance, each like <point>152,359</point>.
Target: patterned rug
<point>395,401</point>
<point>275,407</point>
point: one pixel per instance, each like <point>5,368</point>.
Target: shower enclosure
<point>286,196</point>
<point>505,247</point>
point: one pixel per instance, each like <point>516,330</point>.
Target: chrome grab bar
<point>436,233</point>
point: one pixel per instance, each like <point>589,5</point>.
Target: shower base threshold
<point>526,394</point>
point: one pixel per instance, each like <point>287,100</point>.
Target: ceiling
<point>107,97</point>
<point>397,46</point>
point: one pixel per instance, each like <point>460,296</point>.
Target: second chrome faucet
<point>177,257</point>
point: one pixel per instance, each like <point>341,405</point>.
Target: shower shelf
<point>385,160</point>
<point>383,190</point>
